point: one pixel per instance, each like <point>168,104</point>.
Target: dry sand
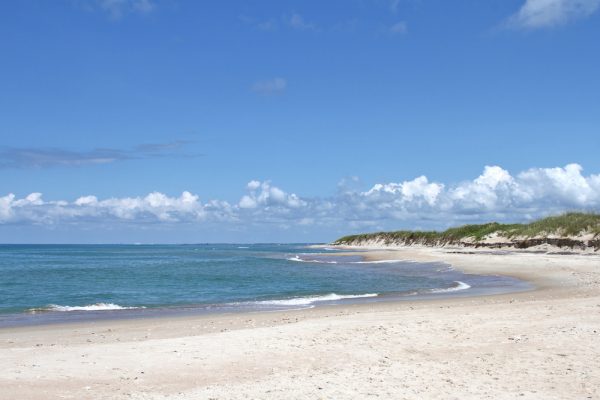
<point>541,344</point>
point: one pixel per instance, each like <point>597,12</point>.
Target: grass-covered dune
<point>567,230</point>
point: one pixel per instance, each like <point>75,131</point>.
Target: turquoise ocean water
<point>55,283</point>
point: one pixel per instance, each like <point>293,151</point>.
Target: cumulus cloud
<point>263,194</point>
<point>555,187</point>
<point>154,207</point>
<point>270,86</point>
<point>495,194</point>
<point>536,14</point>
<point>415,191</point>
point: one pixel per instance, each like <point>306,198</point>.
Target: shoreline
<point>401,348</point>
<point>40,317</point>
<point>104,312</point>
<point>507,263</point>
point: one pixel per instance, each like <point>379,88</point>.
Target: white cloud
<point>269,25</point>
<point>399,28</point>
<point>270,86</point>
<point>492,189</point>
<point>550,13</point>
<point>268,196</point>
<point>86,200</point>
<point>565,186</point>
<point>296,21</point>
<point>117,9</point>
<point>6,207</point>
<point>419,189</point>
<point>265,25</point>
<point>247,202</point>
<point>394,6</point>
<point>153,207</point>
<point>144,6</point>
<point>493,195</point>
<point>253,185</point>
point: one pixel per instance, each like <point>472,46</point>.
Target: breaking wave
<point>90,307</point>
<point>298,259</point>
<point>309,300</point>
<point>458,285</point>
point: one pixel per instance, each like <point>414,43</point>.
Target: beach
<point>271,200</point>
<point>541,343</point>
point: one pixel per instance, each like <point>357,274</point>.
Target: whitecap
<point>309,300</point>
<point>89,307</point>
<point>298,259</point>
<point>321,261</point>
<point>458,285</point>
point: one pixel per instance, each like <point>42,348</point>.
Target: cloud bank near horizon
<point>493,195</point>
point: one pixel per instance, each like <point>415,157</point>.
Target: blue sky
<point>315,101</point>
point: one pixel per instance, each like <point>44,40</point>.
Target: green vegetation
<point>566,224</point>
<point>569,224</point>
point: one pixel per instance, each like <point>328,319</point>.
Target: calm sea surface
<point>49,283</point>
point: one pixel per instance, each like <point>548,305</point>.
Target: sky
<point>155,121</point>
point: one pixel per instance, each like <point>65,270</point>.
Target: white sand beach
<point>539,344</point>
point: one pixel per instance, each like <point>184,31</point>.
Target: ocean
<point>61,283</point>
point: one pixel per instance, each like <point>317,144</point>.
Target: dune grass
<point>569,224</point>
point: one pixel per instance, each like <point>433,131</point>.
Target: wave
<point>298,259</point>
<point>458,285</point>
<point>309,300</point>
<point>89,307</point>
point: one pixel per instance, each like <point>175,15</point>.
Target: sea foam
<point>458,285</point>
<point>89,307</point>
<point>298,259</point>
<point>308,300</point>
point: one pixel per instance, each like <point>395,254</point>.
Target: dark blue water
<point>74,279</point>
